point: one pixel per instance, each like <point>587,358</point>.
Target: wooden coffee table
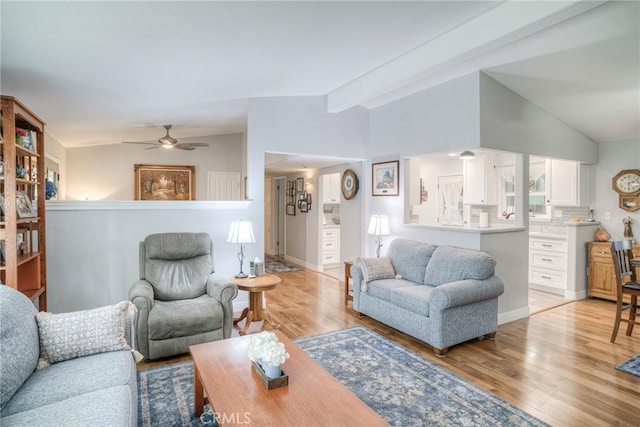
<point>313,396</point>
<point>255,286</point>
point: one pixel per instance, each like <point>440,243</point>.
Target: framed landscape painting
<point>164,182</point>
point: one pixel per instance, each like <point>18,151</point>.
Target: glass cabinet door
<point>538,187</point>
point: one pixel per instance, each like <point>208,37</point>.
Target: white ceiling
<point>104,72</point>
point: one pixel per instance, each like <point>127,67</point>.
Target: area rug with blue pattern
<point>403,387</point>
<point>631,366</point>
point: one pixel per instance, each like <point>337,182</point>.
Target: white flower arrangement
<point>265,348</point>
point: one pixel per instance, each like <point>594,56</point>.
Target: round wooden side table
<point>255,286</point>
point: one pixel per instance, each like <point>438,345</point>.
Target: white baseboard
<point>303,263</point>
<point>510,316</point>
<point>576,295</point>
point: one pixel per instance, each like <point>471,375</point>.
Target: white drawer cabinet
<point>548,245</point>
<point>547,277</point>
<point>330,246</point>
<point>549,260</point>
<point>548,265</point>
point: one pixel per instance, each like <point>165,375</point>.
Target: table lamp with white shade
<point>379,226</point>
<point>241,232</point>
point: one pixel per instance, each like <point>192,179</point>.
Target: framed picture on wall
<point>291,209</point>
<point>164,182</point>
<point>299,184</point>
<point>385,178</point>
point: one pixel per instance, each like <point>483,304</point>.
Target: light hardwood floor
<point>558,364</point>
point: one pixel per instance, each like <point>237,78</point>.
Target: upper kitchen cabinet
<point>480,181</point>
<point>331,188</point>
<point>567,182</point>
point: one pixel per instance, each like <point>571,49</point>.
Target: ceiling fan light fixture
<point>466,154</point>
<point>168,141</point>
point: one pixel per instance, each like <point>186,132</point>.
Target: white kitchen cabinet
<point>330,245</point>
<point>568,183</point>
<point>548,265</point>
<point>331,188</point>
<point>480,182</point>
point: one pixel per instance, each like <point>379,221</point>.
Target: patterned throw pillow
<point>376,268</point>
<point>81,333</point>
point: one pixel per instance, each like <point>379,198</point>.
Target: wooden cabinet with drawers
<point>600,275</point>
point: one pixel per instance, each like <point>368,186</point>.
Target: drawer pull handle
<point>547,259</point>
<point>546,277</point>
<point>546,245</point>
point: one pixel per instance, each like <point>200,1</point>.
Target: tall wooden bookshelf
<point>22,228</point>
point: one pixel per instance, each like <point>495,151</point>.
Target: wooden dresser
<point>600,276</point>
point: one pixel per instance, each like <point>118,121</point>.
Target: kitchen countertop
<point>462,229</point>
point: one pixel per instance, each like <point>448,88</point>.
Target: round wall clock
<point>349,184</point>
<point>627,182</point>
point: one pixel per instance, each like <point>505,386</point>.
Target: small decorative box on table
<point>269,383</point>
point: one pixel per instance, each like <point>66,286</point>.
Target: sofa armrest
<point>141,295</point>
<point>356,277</point>
<point>129,329</point>
<point>224,291</point>
<point>464,292</point>
<point>221,289</point>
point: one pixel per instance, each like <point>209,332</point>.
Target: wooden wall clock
<point>349,184</point>
<point>627,184</point>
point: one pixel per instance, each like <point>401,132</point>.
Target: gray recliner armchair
<point>180,301</point>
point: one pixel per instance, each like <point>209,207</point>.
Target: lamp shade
<point>379,225</point>
<point>241,232</point>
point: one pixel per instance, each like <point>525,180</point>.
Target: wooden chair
<point>622,255</point>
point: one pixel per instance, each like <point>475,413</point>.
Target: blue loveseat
<point>98,389</point>
<point>442,295</point>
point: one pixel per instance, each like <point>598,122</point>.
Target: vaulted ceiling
<point>104,72</point>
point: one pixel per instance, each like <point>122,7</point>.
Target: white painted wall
<point>510,122</point>
<point>301,125</point>
<point>438,120</point>
<point>301,234</point>
<point>92,247</point>
<point>472,111</point>
<point>105,172</point>
<point>613,157</point>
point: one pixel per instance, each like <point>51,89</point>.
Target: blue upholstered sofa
<point>98,389</point>
<point>442,295</point>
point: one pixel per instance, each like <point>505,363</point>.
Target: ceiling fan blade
<point>196,144</point>
<point>136,142</point>
<point>152,148</point>
<point>184,147</point>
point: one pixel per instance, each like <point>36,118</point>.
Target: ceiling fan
<point>168,141</point>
